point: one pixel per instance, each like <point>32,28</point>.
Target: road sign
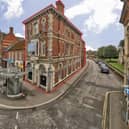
<point>126,90</point>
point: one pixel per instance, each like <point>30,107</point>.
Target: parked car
<point>96,61</point>
<point>104,69</point>
<point>100,63</point>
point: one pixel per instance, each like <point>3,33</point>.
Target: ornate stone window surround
<point>43,48</point>
<point>36,27</point>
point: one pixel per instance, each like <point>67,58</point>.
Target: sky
<point>98,20</point>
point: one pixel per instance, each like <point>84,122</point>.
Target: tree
<point>110,52</point>
<point>107,52</point>
<point>100,52</point>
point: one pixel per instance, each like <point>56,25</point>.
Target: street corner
<point>34,97</point>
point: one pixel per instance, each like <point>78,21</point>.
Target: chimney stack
<point>11,30</point>
<point>60,6</point>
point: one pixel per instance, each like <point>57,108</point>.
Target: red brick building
<point>16,54</point>
<point>7,41</point>
<point>54,47</point>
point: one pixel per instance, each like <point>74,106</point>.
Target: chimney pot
<point>11,30</point>
<point>60,6</point>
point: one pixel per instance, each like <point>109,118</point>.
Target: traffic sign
<point>126,90</point>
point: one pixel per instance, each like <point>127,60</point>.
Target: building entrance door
<point>30,75</point>
<point>43,80</point>
<point>42,76</point>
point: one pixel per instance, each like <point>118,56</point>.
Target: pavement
<point>37,97</point>
<point>114,114</point>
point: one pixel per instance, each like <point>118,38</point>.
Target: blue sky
<point>97,19</point>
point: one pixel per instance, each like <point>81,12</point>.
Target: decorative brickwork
<point>51,31</point>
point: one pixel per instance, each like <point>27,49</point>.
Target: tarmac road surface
<point>81,108</point>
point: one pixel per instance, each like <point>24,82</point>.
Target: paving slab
<point>115,119</point>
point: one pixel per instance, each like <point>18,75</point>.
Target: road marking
<point>98,115</point>
<point>16,127</point>
<point>89,106</point>
<point>17,115</point>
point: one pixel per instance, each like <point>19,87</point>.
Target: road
<point>81,108</point>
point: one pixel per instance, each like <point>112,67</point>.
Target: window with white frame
<point>33,47</point>
<point>35,28</point>
<point>43,48</point>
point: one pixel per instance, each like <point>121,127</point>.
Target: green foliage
<point>107,52</point>
<point>118,66</point>
<point>114,63</point>
<point>100,52</point>
<point>110,52</point>
<point>111,60</point>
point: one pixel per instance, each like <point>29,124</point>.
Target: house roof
<point>51,7</point>
<point>3,34</point>
<point>17,46</point>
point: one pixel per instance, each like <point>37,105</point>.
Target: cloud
<point>100,13</point>
<point>19,35</point>
<point>13,8</point>
<point>90,48</point>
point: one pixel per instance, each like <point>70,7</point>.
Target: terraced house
<point>54,47</point>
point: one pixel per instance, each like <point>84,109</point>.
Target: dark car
<point>100,63</point>
<point>104,69</point>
